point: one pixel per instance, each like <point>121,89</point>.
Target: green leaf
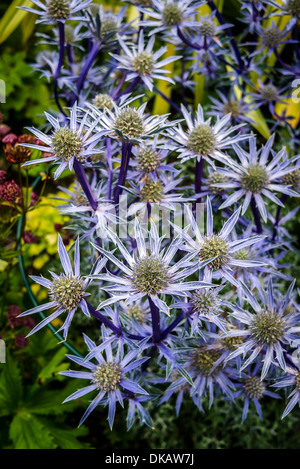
<point>12,18</point>
<point>10,387</point>
<point>54,365</point>
<point>66,438</point>
<point>38,402</point>
<point>27,432</point>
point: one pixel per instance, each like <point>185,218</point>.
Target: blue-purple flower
<point>67,291</point>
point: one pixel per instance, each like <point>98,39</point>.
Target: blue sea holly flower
<point>148,272</point>
<point>66,142</point>
<point>204,304</point>
<point>257,175</point>
<point>270,330</point>
<point>67,291</point>
<point>157,195</point>
<point>128,124</point>
<point>272,37</point>
<point>206,377</point>
<point>165,14</point>
<point>142,62</point>
<point>217,246</point>
<point>202,139</point>
<point>110,377</point>
<point>252,389</point>
<point>291,379</point>
<point>286,7</point>
<point>52,11</point>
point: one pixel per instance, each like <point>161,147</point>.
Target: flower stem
<point>256,216</point>
<point>110,167</point>
<point>198,176</point>
<point>155,321</point>
<point>83,180</point>
<point>168,100</point>
<point>233,42</point>
<point>278,213</point>
<point>126,154</point>
<point>90,60</point>
<point>172,326</point>
<point>103,319</point>
<point>61,30</point>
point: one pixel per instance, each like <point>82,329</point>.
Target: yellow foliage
<point>41,222</point>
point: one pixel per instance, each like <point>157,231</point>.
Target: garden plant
<point>149,191</point>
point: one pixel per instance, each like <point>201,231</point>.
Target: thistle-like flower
<point>157,194</point>
<point>291,379</point>
<point>217,247</point>
<point>204,140</point>
<point>66,143</point>
<point>257,175</point>
<point>269,329</point>
<point>128,124</point>
<point>67,291</point>
<point>252,389</point>
<point>170,14</point>
<point>52,11</point>
<point>142,62</point>
<point>148,272</point>
<point>110,377</point>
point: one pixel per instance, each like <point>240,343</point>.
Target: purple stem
<point>103,319</point>
<point>172,326</point>
<point>233,42</point>
<point>83,180</point>
<point>110,167</point>
<point>90,60</point>
<point>278,213</point>
<point>129,88</point>
<point>126,154</point>
<point>198,176</point>
<point>61,30</point>
<point>119,87</point>
<point>177,108</point>
<point>256,215</point>
<point>155,321</point>
<point>284,65</point>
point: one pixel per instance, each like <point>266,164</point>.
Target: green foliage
<point>22,93</point>
<point>31,403</point>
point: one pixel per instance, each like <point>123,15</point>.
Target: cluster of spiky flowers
<point>156,121</point>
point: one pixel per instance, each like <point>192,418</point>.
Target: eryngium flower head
<point>290,379</point>
<point>66,143</point>
<point>164,15</point>
<point>271,37</point>
<point>269,329</point>
<point>67,291</point>
<point>217,247</point>
<point>127,123</point>
<point>257,175</point>
<point>148,159</point>
<point>53,11</point>
<point>141,62</point>
<point>293,7</point>
<point>292,179</point>
<point>202,139</point>
<point>103,101</point>
<point>110,377</point>
<point>148,273</point>
<point>252,389</point>
<point>152,191</point>
<point>216,178</point>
